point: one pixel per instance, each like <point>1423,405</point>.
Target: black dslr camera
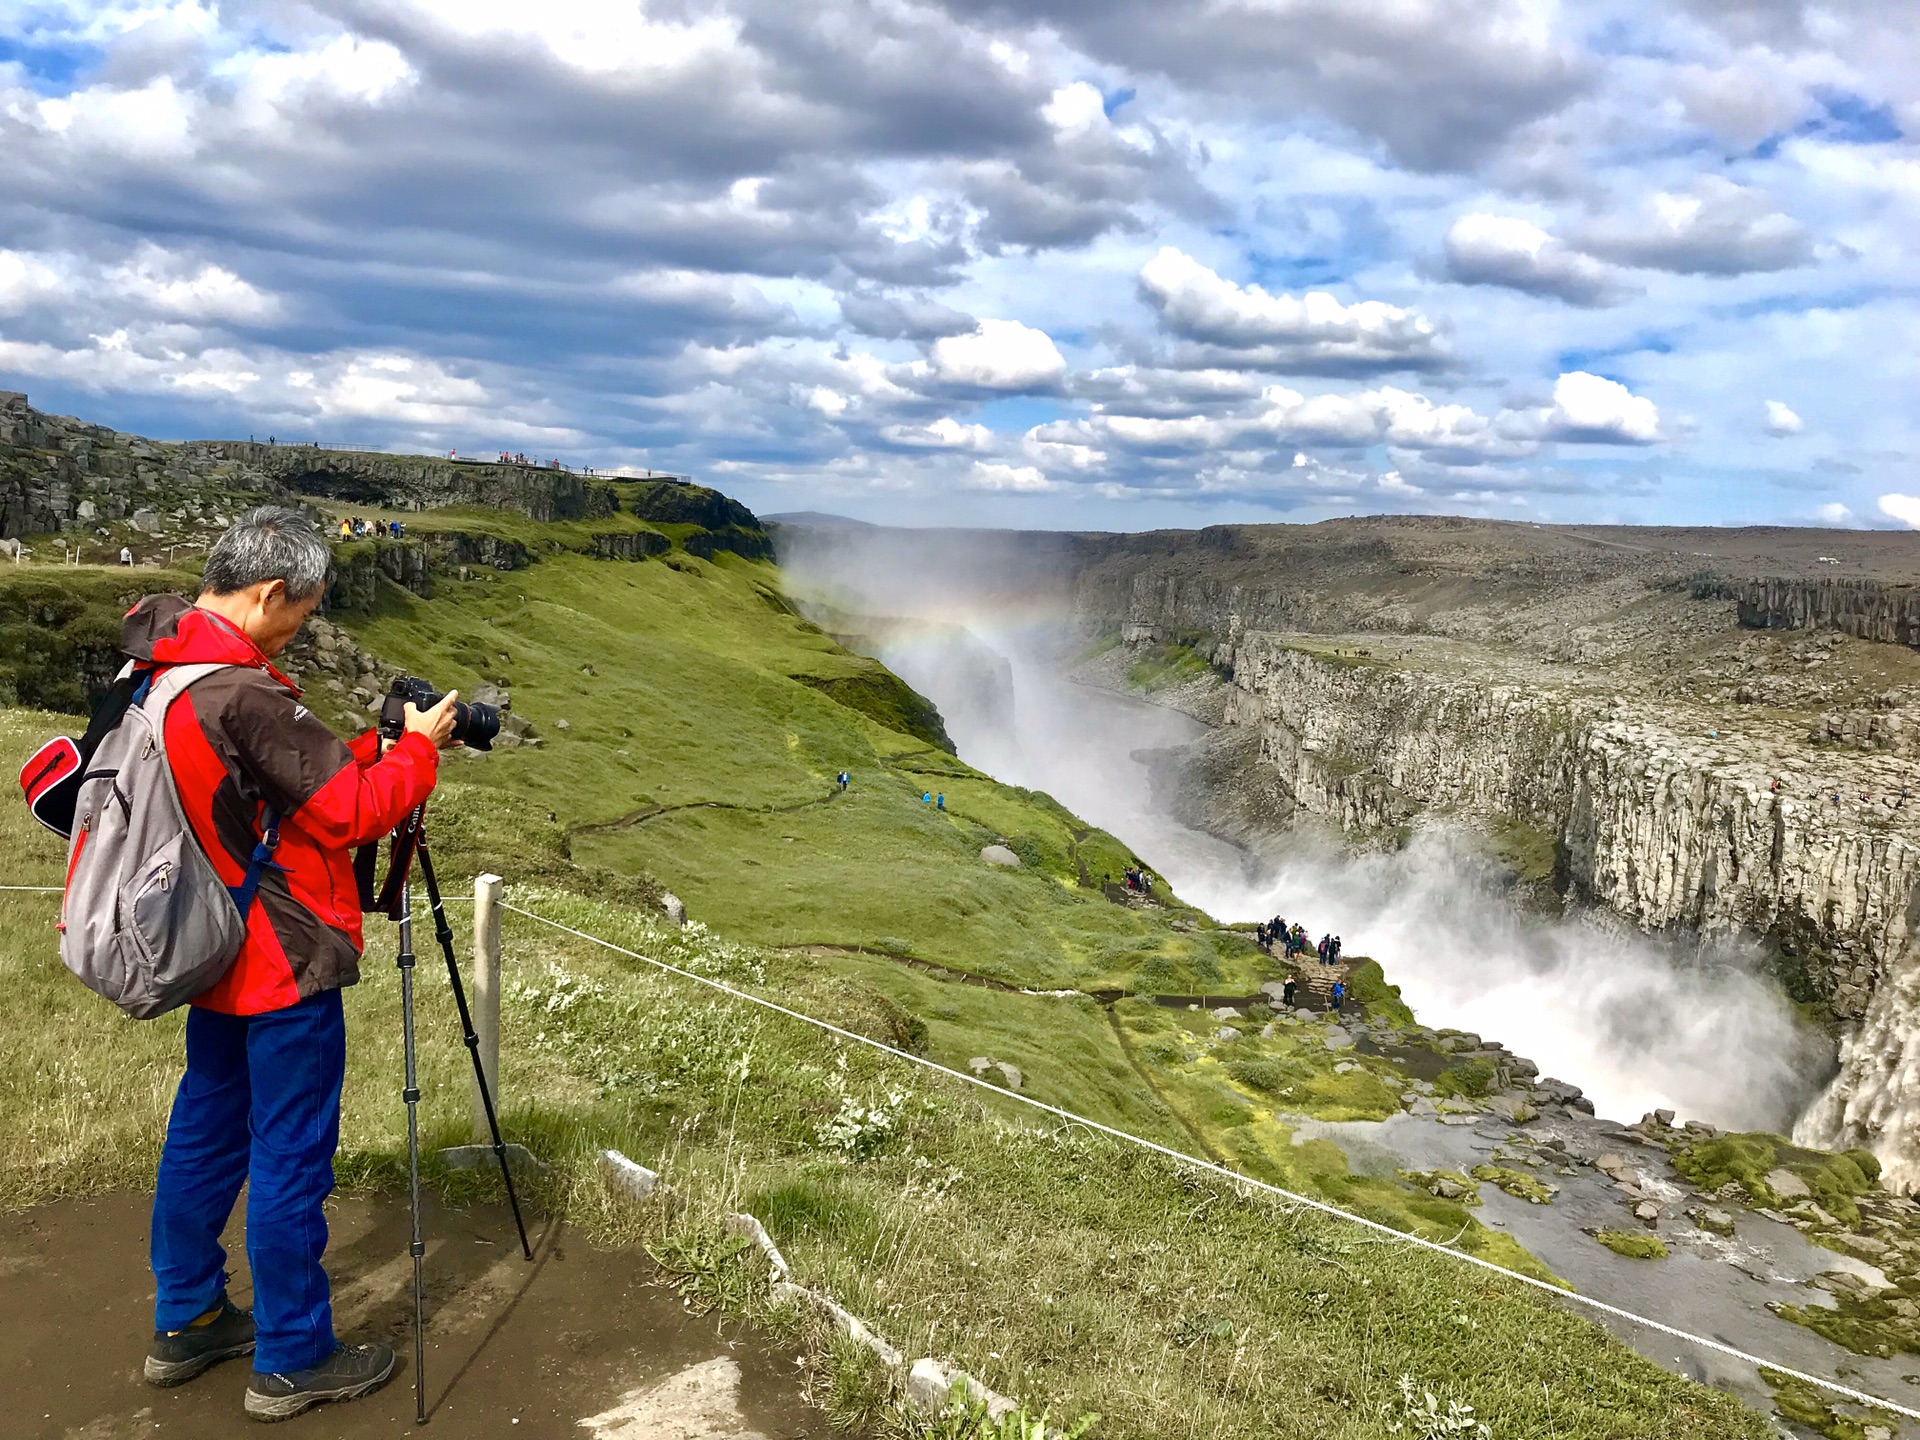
<point>473,725</point>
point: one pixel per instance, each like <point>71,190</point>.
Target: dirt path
<point>647,814</point>
<point>513,1349</point>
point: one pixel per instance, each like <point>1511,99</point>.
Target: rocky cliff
<point>1870,609</point>
<point>61,476</point>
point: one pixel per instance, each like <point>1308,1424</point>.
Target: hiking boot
<point>347,1374</point>
<point>179,1355</point>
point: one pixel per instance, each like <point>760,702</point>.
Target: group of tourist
<point>1138,880</point>
<point>1292,941</point>
<point>352,527</point>
<point>515,457</point>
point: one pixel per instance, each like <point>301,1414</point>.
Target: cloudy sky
<point>1083,263</point>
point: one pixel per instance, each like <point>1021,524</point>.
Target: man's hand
<point>436,724</point>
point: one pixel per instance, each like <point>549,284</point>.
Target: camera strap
<point>366,864</point>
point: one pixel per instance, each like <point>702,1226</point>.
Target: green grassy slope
<point>701,747</point>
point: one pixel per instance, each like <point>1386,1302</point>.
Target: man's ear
<point>273,592</point>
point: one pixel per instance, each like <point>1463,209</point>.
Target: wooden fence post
<point>486,996</point>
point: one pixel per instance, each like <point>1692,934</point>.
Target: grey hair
<point>269,542</point>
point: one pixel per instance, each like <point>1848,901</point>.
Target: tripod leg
<point>417,1247</point>
<point>443,932</point>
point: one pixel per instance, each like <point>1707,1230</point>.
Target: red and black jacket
<point>240,742</point>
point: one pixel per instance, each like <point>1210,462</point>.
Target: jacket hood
<point>170,630</point>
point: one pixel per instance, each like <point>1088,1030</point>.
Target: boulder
<point>1719,1222</point>
<point>147,522</point>
<point>1646,1212</point>
<point>1788,1186</point>
<point>1226,1012</point>
<point>996,1072</point>
<point>1226,1035</point>
<point>675,907</point>
<point>1000,855</point>
<point>1514,1108</point>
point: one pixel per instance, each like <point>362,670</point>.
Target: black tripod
<point>409,842</point>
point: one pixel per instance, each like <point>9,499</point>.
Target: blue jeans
<point>260,1103</point>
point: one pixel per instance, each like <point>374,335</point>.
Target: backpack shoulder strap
<point>164,690</point>
<point>167,685</point>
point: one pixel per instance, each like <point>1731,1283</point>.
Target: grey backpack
<point>147,921</point>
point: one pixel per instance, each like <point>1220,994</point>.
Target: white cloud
<point>1782,421</point>
<point>1061,454</point>
<point>159,282</point>
<point>591,35</point>
<point>1076,109</point>
<point>1594,410</point>
<point>828,402</point>
<point>946,433</point>
<point>1503,250</point>
<point>1836,514</point>
<point>1904,508</point>
<point>995,355</point>
<point>1716,228</point>
<point>400,387</point>
<point>153,123</point>
<point>27,281</point>
<point>1008,479</point>
<point>1313,333</point>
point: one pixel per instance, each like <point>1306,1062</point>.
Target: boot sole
<point>269,1408</point>
<point>164,1373</point>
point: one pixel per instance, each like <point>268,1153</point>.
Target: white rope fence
<point>1308,1201</point>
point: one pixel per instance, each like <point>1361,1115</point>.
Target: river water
<point>1637,1022</point>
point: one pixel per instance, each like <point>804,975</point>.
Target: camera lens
<point>476,725</point>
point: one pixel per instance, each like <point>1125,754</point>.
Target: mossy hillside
<point>1806,1405</point>
<point>1161,667</point>
<point>1517,1183</point>
<point>1065,1047</point>
<point>883,696</point>
<point>1222,1099</point>
<point>60,629</point>
<point>1368,985</point>
<point>1746,1159</point>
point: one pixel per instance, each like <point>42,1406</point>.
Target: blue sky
<point>1082,263</point>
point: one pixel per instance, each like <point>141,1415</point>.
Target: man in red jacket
<point>266,1046</point>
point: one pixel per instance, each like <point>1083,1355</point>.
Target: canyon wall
<point>1869,609</point>
<point>1666,830</point>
